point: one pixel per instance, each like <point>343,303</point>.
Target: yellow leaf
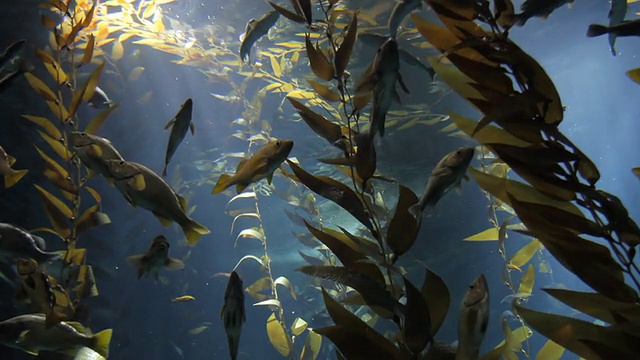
<point>295,57</point>
<point>92,82</point>
<point>278,336</point>
<point>64,209</point>
<point>74,256</point>
<point>301,94</point>
<point>40,87</point>
<point>149,11</point>
<point>491,234</point>
<point>88,50</point>
<point>277,71</point>
<point>526,283</point>
<point>634,75</point>
<point>550,351</point>
<point>525,253</point>
<point>117,51</point>
<point>198,330</point>
<point>311,347</point>
<point>98,120</point>
<point>94,193</point>
<point>324,91</point>
<point>59,111</point>
<point>57,146</point>
<point>53,164</point>
<point>135,73</point>
<point>298,326</point>
<point>57,212</point>
<point>46,124</point>
<point>285,282</point>
<point>636,171</point>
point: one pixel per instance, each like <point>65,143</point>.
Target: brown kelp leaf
<point>347,253</point>
<point>403,229</point>
<point>334,191</point>
<point>319,124</point>
<point>288,14</point>
<point>71,37</point>
<point>605,351</point>
<point>52,164</point>
<point>40,87</point>
<point>364,245</point>
<point>416,329</point>
<point>304,6</point>
<point>312,260</point>
<point>89,17</point>
<point>88,50</point>
<point>96,123</point>
<point>368,340</point>
<point>365,161</point>
<point>568,332</point>
<point>338,161</point>
<point>69,189</point>
<point>278,335</point>
<point>344,51</point>
<point>592,304</point>
<point>89,87</point>
<point>488,134</point>
<point>87,283</point>
<point>57,212</point>
<point>460,10</point>
<point>436,294</point>
<point>588,170</point>
<point>324,91</point>
<point>318,62</point>
<point>491,76</point>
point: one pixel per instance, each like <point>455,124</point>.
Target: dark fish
<point>18,243</point>
<point>616,16</point>
<point>255,30</point>
<point>99,99</point>
<point>447,174</point>
<point>11,176</point>
<point>627,28</point>
<point>180,124</point>
<point>156,258</point>
<point>13,64</point>
<point>143,187</point>
<point>538,8</point>
<point>94,151</point>
<point>474,318</point>
<point>232,313</point>
<point>37,287</point>
<point>373,39</point>
<point>259,166</point>
<point>399,12</point>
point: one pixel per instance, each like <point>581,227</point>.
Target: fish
<point>259,166</point>
<point>37,287</point>
<point>232,313</point>
<point>474,318</point>
<point>180,124</point>
<point>616,16</point>
<point>155,258</point>
<point>626,28</point>
<point>183,298</point>
<point>16,243</point>
<point>255,30</point>
<point>380,78</point>
<point>28,333</point>
<point>13,64</point>
<point>399,12</point>
<point>373,39</point>
<point>537,8</point>
<point>11,176</point>
<point>99,99</point>
<point>94,151</point>
<point>447,174</point>
<point>141,186</point>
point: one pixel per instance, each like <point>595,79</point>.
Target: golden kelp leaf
<point>491,234</point>
<point>324,91</point>
<point>68,188</point>
<point>318,123</point>
<point>568,333</point>
<point>318,62</point>
<point>334,191</point>
<point>96,123</point>
<point>311,347</point>
<point>135,73</point>
<point>550,351</point>
<point>40,87</point>
<point>344,51</point>
<point>260,285</point>
<point>117,51</point>
<point>75,256</point>
<point>588,170</point>
<point>593,304</point>
<point>46,124</point>
<point>488,134</point>
<point>57,73</point>
<point>57,146</point>
<point>285,282</point>
<point>91,83</point>
<point>301,94</point>
<point>403,228</point>
<point>277,71</point>
<point>417,323</point>
<point>278,336</point>
<point>88,50</point>
<point>298,326</point>
<point>436,294</point>
<point>89,17</point>
<point>250,233</point>
<point>636,171</point>
<point>87,283</point>
<point>511,342</point>
<point>93,193</point>
<point>527,281</point>
<point>57,212</point>
<point>92,217</point>
<point>249,257</point>
<point>149,11</point>
<point>525,253</point>
<point>634,75</point>
<point>271,303</point>
<point>71,37</point>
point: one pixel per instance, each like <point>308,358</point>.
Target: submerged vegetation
<point>556,200</point>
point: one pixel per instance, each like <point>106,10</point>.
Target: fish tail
<point>193,230</point>
<point>174,264</point>
<point>101,342</point>
<point>234,342</point>
<point>54,318</point>
<point>136,260</point>
<point>596,30</point>
<point>415,211</point>
<point>13,179</point>
<point>223,183</point>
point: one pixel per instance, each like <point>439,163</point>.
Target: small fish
<point>156,258</point>
<point>399,12</point>
<point>232,312</point>
<point>183,298</point>
<point>538,8</point>
<point>447,174</point>
<point>11,176</point>
<point>373,39</point>
<point>616,16</point>
<point>94,151</point>
<point>474,318</point>
<point>13,64</point>
<point>141,186</point>
<point>255,30</point>
<point>100,99</point>
<point>626,28</point>
<point>28,333</point>
<point>37,287</point>
<point>17,243</point>
<point>380,78</point>
<point>180,124</point>
<point>259,166</point>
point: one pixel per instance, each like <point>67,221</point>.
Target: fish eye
<point>83,134</point>
<point>278,143</point>
<point>121,162</point>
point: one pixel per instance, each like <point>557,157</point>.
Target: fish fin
<point>13,179</point>
<point>97,151</point>
<point>240,187</point>
<point>54,318</point>
<point>77,326</point>
<point>224,181</point>
<point>193,230</point>
<point>163,220</point>
<point>415,211</point>
<point>596,30</point>
<point>183,202</point>
<point>22,340</point>
<point>170,123</point>
<point>11,159</point>
<point>135,260</point>
<point>137,182</point>
<point>193,128</point>
<point>222,310</point>
<point>396,97</point>
<point>270,178</point>
<point>173,264</point>
<point>101,342</point>
<point>402,84</point>
<point>164,170</point>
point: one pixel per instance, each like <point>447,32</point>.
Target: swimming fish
<point>180,124</point>
<point>183,298</point>
<point>626,28</point>
<point>141,186</point>
<point>28,333</point>
<point>17,243</point>
<point>448,173</point>
<point>232,312</point>
<point>538,8</point>
<point>259,166</point>
<point>37,287</point>
<point>94,151</point>
<point>373,39</point>
<point>13,64</point>
<point>380,78</point>
<point>399,12</point>
<point>156,258</point>
<point>99,99</point>
<point>255,30</point>
<point>11,176</point>
<point>474,318</point>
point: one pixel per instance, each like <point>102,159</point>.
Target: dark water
<point>602,119</point>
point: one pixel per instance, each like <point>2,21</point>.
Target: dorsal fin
<point>77,326</point>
